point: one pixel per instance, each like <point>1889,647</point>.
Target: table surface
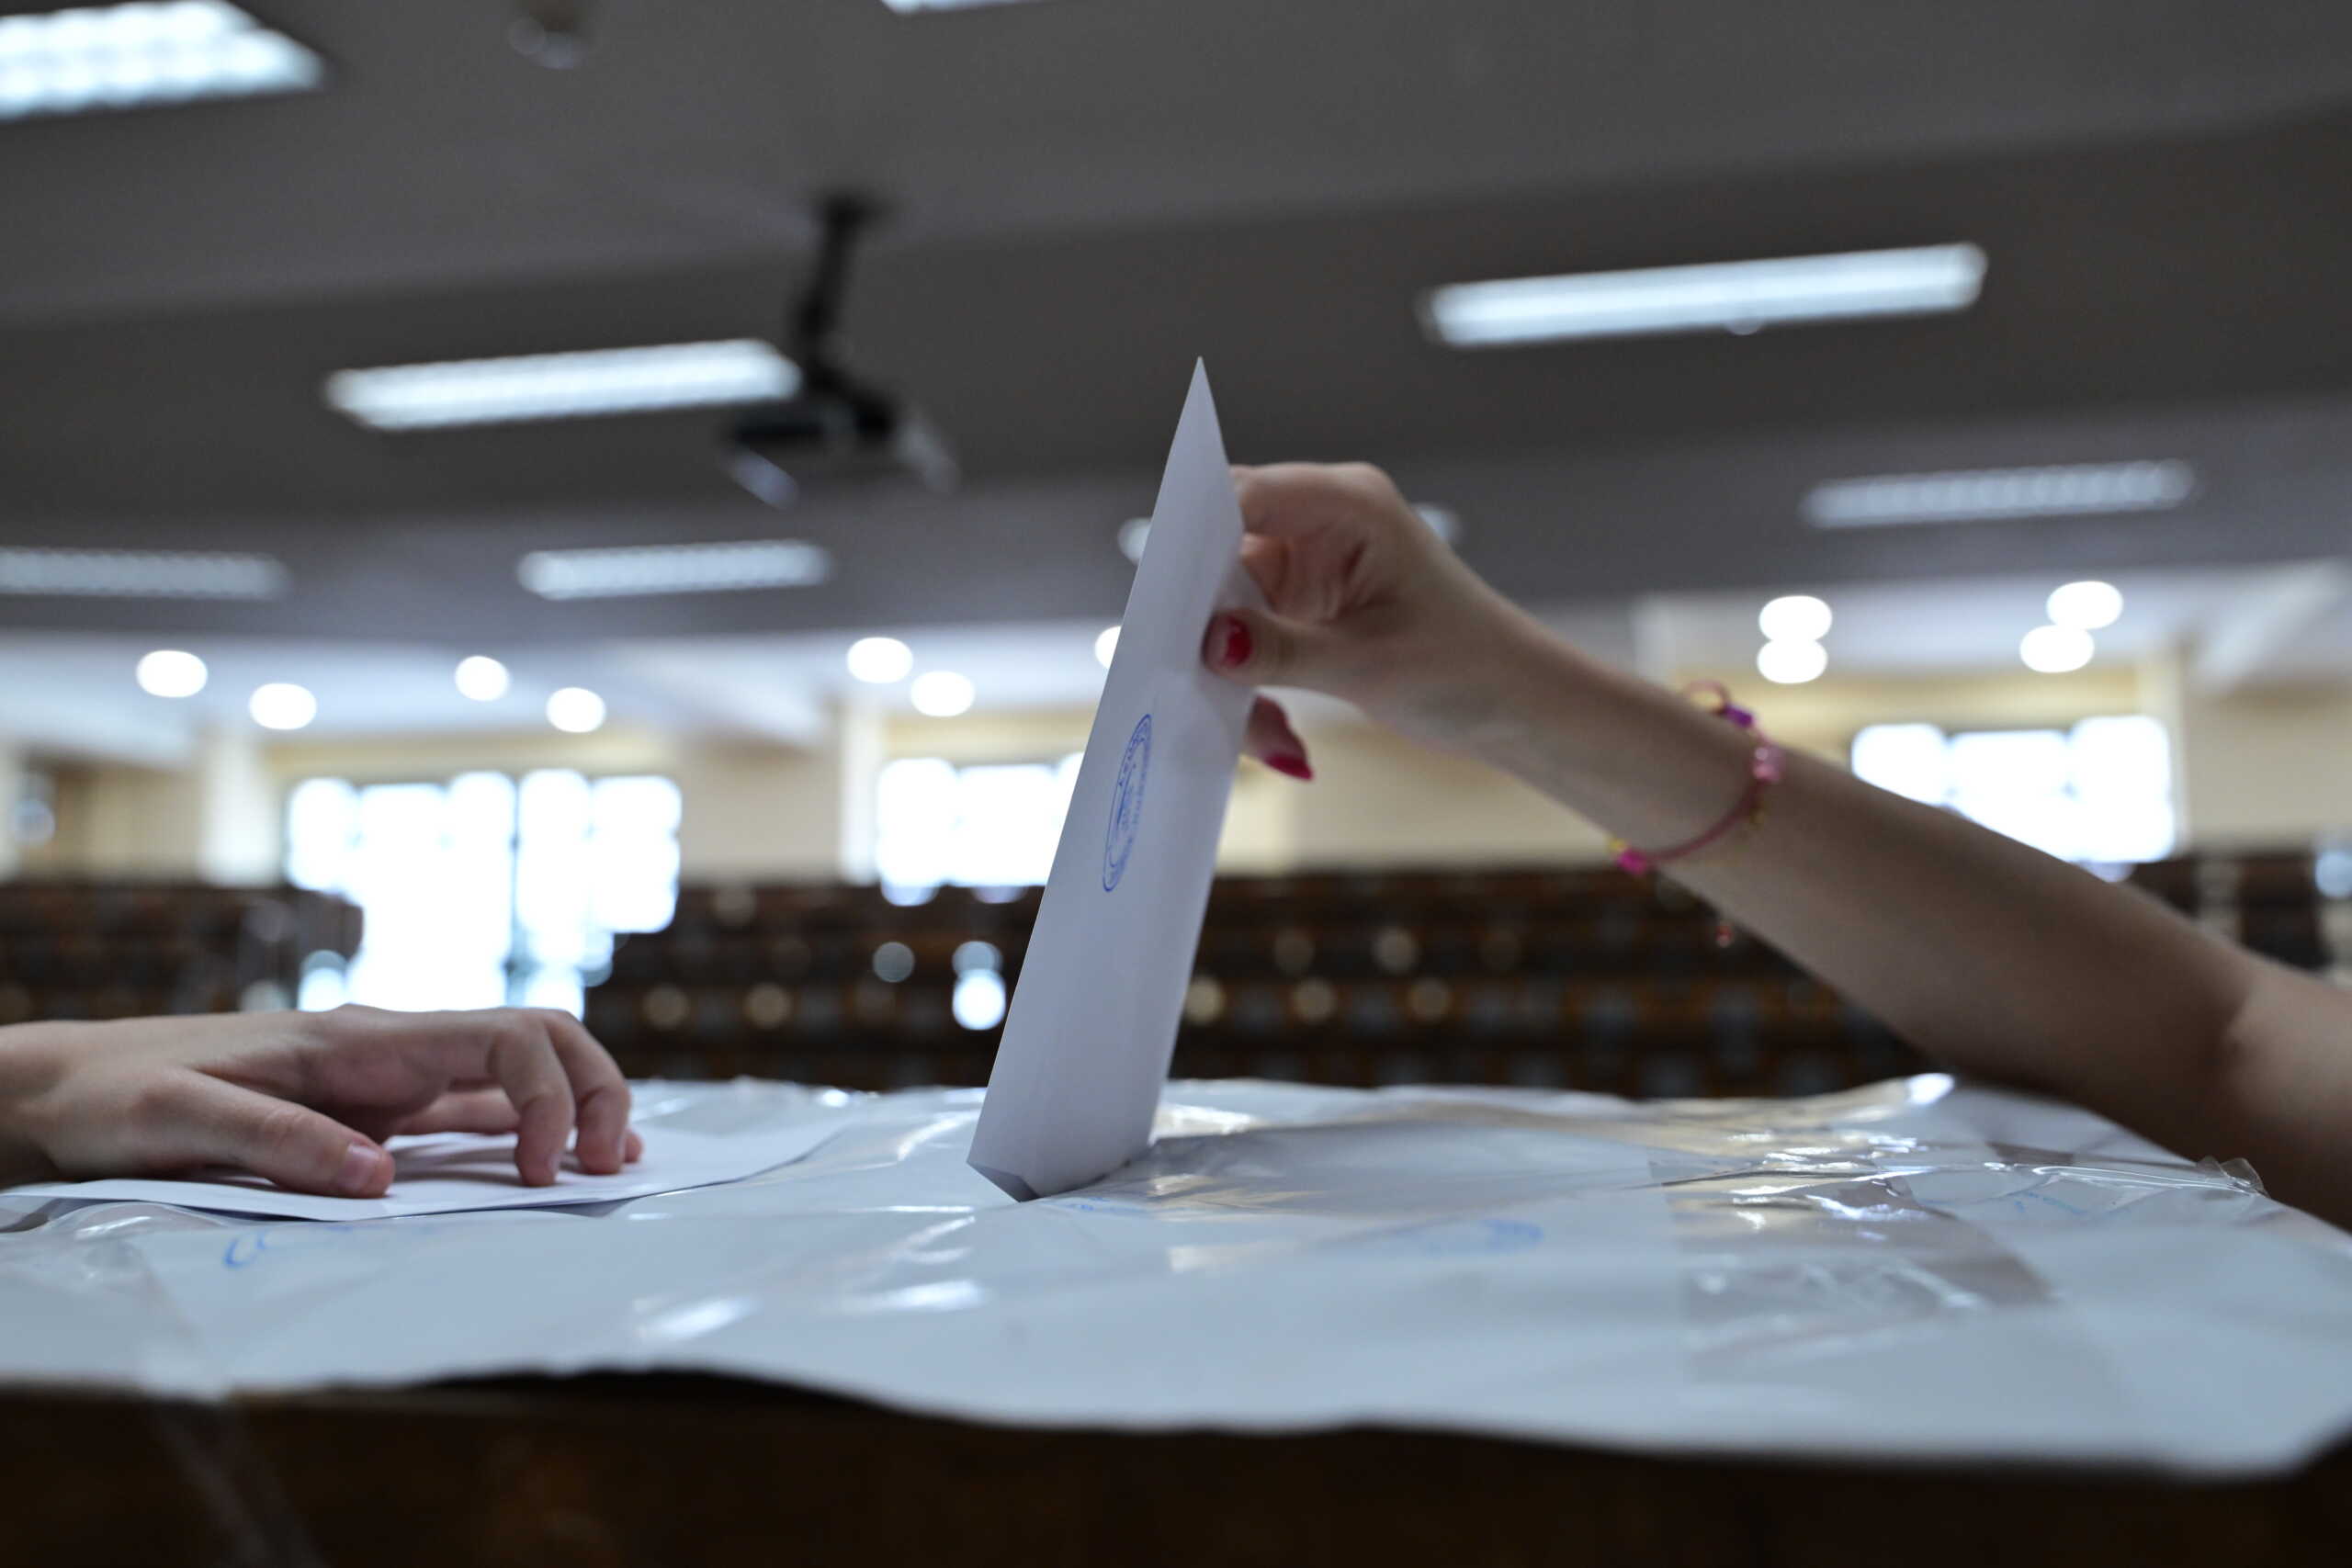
<point>684,1469</point>
<point>1358,1279</point>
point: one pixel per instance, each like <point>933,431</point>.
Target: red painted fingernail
<point>1232,643</point>
<point>1295,766</point>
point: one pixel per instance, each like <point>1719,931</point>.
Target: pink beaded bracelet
<point>1763,772</point>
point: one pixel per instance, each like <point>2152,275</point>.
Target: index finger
<point>597,1087</point>
<point>1285,500</point>
<point>511,1046</point>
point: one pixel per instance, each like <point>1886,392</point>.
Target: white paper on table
<point>1568,1266</point>
<point>443,1173</point>
<point>1092,1027</point>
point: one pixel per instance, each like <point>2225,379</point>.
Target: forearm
<point>1984,953</point>
<point>1994,957</point>
<point>28,1070</point>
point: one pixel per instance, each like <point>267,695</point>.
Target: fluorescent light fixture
<point>2054,651</point>
<point>140,574</point>
<point>909,8</point>
<point>482,678</point>
<point>674,569</point>
<point>585,385</point>
<point>118,56</point>
<point>576,710</point>
<point>2088,605</point>
<point>1979,495</point>
<point>880,661</point>
<point>941,693</point>
<point>1794,617</point>
<point>1792,664</point>
<point>281,704</point>
<point>1732,296</point>
<point>1106,646</point>
<point>171,673</point>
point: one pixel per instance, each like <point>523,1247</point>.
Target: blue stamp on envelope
<point>1126,804</point>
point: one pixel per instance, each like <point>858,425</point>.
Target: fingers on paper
<point>551,1072</point>
<point>189,1120</point>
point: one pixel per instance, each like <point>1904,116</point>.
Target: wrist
<point>30,1066</point>
<point>1639,761</point>
<point>1525,693</point>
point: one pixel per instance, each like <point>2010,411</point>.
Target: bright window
<point>2100,792</point>
<point>485,890</point>
<point>984,826</point>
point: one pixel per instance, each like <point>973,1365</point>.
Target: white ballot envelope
<point>1093,1023</point>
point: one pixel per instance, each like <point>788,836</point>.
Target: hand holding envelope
<point>1093,1023</point>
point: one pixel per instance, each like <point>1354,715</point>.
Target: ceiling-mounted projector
<point>834,428</point>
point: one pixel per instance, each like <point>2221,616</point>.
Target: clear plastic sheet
<point>1913,1270</point>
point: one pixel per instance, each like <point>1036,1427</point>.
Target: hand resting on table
<point>304,1099</point>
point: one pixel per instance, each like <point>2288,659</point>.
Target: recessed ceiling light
<point>1134,534</point>
<point>2088,605</point>
<point>140,574</point>
<point>118,56</point>
<point>1987,494</point>
<point>1106,645</point>
<point>978,1000</point>
<point>1792,664</point>
<point>281,704</point>
<point>576,710</point>
<point>880,661</point>
<point>171,673</point>
<point>674,569</point>
<point>482,678</point>
<point>1794,617</point>
<point>563,386</point>
<point>1733,296</point>
<point>941,693</point>
<point>2054,651</point>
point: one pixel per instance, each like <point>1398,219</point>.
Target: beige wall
<point>240,813</point>
<point>1378,800</point>
<point>2269,766</point>
<point>12,785</point>
<point>759,812</point>
<point>138,822</point>
<point>1375,800</point>
<point>2272,767</point>
<point>405,759</point>
<point>1258,820</point>
<point>1822,716</point>
<point>751,810</point>
<point>2262,767</point>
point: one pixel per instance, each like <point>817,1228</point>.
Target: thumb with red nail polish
<point>1229,644</point>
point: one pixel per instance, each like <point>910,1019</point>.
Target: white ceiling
<point>437,156</point>
<point>1084,196</point>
